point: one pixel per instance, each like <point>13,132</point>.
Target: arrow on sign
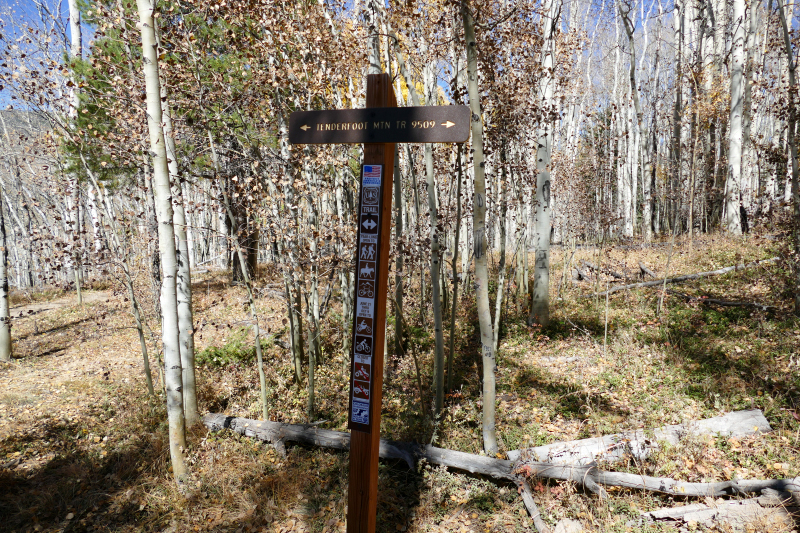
<point>369,224</point>
<point>305,127</point>
<point>448,124</point>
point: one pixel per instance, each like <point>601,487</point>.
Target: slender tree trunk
<point>5,316</point>
<point>501,274</point>
<point>540,298</point>
<point>479,237</point>
<point>435,269</point>
<point>792,123</point>
<point>184,280</point>
<point>73,198</point>
<point>646,169</point>
<point>166,243</point>
<point>456,244</point>
<point>733,184</point>
<point>398,267</point>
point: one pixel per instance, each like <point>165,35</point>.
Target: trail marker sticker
<point>368,255</point>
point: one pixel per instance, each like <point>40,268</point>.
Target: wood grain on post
<point>362,499</point>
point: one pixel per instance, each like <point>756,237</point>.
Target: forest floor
<point>83,447</point>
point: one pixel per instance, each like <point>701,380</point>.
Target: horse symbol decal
<point>366,272</point>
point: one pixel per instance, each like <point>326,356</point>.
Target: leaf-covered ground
<point>83,447</point>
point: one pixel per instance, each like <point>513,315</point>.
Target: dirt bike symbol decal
<point>363,327</point>
<point>362,373</point>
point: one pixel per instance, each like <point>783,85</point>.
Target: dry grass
<point>83,448</point>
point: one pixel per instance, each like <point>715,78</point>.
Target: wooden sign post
<point>379,127</point>
<point>366,366</point>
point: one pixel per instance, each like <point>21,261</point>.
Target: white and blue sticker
<point>360,412</point>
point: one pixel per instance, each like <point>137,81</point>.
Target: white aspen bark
<point>73,201</point>
<point>184,280</point>
<point>344,275</point>
<point>629,174</point>
<point>646,167</point>
<point>5,316</point>
<point>166,243</point>
<point>540,296</point>
<point>312,308</point>
<point>456,244</point>
<point>749,163</point>
<point>733,184</point>
<point>374,45</point>
<point>479,237</point>
<point>679,17</point>
<point>189,225</point>
<point>792,121</point>
<point>501,271</point>
<point>435,269</point>
<point>98,237</point>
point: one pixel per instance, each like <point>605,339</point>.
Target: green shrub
<point>238,350</point>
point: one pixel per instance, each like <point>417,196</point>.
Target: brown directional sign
<point>424,124</point>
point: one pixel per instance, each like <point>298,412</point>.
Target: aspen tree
<point>792,124</point>
<point>184,279</point>
<point>540,297</point>
<point>733,185</point>
<point>170,331</point>
<point>479,236</point>
<point>73,197</point>
<point>646,170</point>
<point>5,316</point>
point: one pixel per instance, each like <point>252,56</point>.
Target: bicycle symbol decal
<point>366,289</point>
<point>364,346</point>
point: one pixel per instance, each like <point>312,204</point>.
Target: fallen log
<point>685,277</point>
<point>608,271</point>
<point>579,275</point>
<point>641,443</point>
<point>738,513</point>
<point>279,433</point>
<point>720,302</point>
<point>590,477</point>
<point>646,271</point>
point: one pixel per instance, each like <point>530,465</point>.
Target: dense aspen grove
<point>144,141</point>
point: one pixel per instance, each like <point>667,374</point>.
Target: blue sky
<point>25,12</point>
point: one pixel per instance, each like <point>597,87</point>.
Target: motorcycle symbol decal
<point>361,371</point>
<point>360,390</point>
